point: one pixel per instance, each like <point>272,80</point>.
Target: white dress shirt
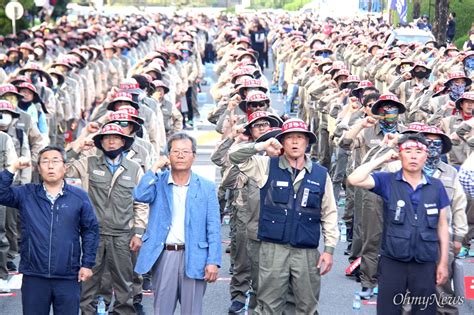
<point>176,234</point>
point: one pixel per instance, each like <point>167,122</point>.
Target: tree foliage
<point>5,22</point>
<point>462,8</point>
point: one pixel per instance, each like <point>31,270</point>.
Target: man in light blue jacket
<point>183,231</point>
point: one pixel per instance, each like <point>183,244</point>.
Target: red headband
<point>412,144</point>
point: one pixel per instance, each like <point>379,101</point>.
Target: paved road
<point>337,290</point>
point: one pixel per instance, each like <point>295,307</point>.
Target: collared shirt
<point>51,197</point>
<point>415,194</point>
<point>114,166</point>
<point>383,188</point>
<point>176,234</point>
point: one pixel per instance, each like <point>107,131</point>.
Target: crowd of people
<point>361,107</point>
<point>96,102</point>
<point>93,117</point>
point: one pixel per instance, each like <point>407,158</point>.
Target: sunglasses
<point>436,143</point>
<point>123,124</point>
<point>257,105</point>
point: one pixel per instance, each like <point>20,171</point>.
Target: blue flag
<point>401,7</point>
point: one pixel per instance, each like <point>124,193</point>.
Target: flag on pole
<point>401,7</point>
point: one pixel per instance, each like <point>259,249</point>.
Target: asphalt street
<point>337,290</point>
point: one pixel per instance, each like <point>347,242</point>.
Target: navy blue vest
<point>410,234</point>
<point>289,217</point>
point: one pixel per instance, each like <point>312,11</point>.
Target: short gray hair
<point>181,136</point>
<point>53,148</point>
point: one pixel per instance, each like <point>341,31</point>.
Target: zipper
<point>50,238</point>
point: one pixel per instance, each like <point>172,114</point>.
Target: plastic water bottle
<point>226,219</point>
<point>343,233</point>
<point>356,302</point>
<point>101,306</point>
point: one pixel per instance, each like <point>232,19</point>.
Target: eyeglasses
<point>257,105</point>
<point>435,143</point>
<point>262,124</point>
<point>369,105</point>
<point>55,162</point>
<point>123,124</point>
<point>181,152</point>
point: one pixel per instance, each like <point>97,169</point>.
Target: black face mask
<point>24,105</point>
<point>112,154</point>
<point>419,74</point>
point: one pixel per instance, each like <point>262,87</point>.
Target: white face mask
<point>6,119</point>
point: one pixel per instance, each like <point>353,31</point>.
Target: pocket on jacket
<point>432,221</point>
<point>280,194</point>
<point>397,244</point>
<point>428,249</point>
<point>272,226</point>
<point>307,234</point>
<point>203,244</point>
<point>314,198</point>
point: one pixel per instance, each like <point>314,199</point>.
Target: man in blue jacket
<point>182,243</point>
<point>58,225</point>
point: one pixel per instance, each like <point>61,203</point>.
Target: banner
<point>401,7</point>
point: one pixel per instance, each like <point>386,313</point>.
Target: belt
<point>174,247</point>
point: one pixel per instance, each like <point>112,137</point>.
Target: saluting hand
<point>272,146</point>
<point>160,163</point>
<point>390,156</point>
<point>369,122</point>
<point>390,139</point>
<point>21,163</point>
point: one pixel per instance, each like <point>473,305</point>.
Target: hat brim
<point>378,104</point>
<point>132,91</point>
<point>397,68</point>
<point>165,88</point>
<point>111,105</point>
<point>98,138</point>
<point>344,84</point>
<point>459,101</point>
<point>261,88</point>
<point>447,143</point>
<point>274,122</point>
<point>42,73</point>
<point>268,135</point>
<point>13,113</point>
<point>14,93</point>
<point>321,65</point>
<point>311,136</point>
<point>57,64</point>
<point>428,70</point>
<point>36,99</point>
<point>60,78</point>
<point>468,81</point>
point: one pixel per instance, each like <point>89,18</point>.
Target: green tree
<point>5,22</point>
<point>60,8</point>
<point>440,20</point>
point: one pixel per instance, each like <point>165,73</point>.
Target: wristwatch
<point>139,236</point>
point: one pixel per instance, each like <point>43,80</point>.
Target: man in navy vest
<point>415,238</point>
<point>296,201</point>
